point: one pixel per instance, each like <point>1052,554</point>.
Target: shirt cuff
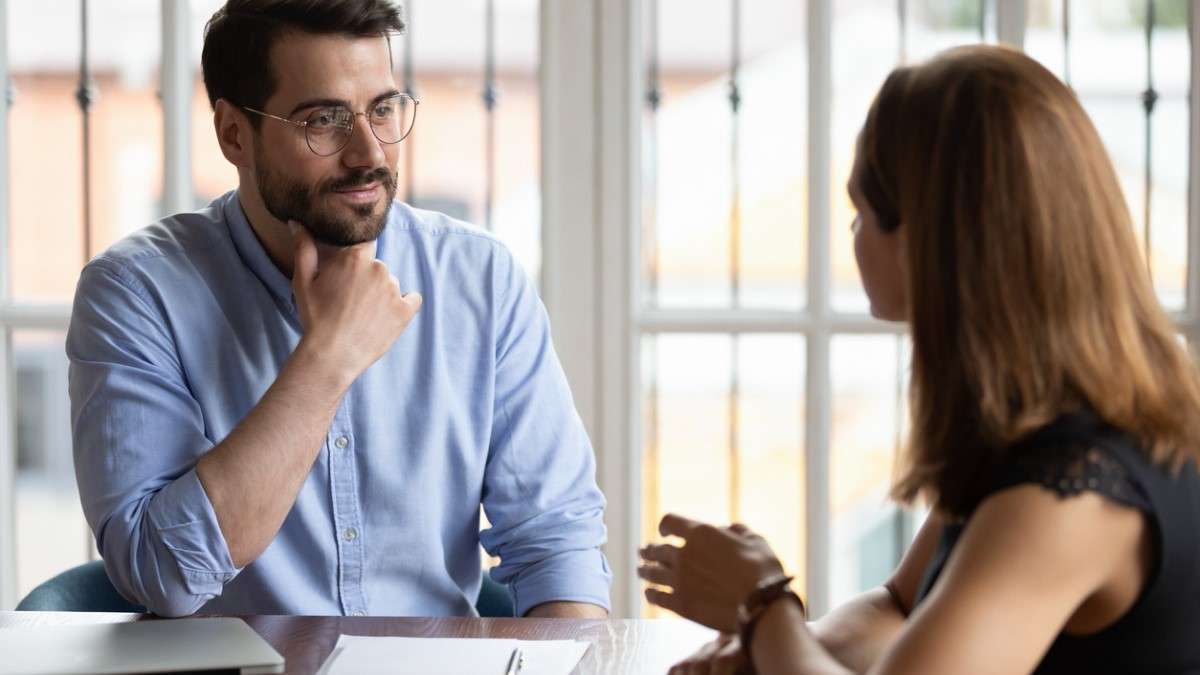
<point>184,520</point>
<point>572,576</point>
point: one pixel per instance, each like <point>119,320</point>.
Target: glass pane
<point>46,134</point>
<point>517,214</point>
<point>447,148</point>
<point>935,25</point>
<point>690,420</point>
<point>694,180</point>
<point>870,378</point>
<point>866,46</point>
<point>770,416</point>
<point>51,534</point>
<point>1171,54</point>
<point>773,172</point>
<point>1107,67</point>
<point>212,174</point>
<point>1044,35</point>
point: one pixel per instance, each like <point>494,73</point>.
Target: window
<point>735,304</point>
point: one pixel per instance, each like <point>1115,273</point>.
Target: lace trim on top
<point>1071,470</point>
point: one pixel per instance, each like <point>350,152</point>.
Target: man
<point>265,422</point>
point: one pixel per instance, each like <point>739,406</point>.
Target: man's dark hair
<point>239,37</point>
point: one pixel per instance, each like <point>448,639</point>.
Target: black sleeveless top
<point>1161,631</point>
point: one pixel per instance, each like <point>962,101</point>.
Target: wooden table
<point>619,646</point>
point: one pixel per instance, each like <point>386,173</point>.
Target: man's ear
<point>234,134</point>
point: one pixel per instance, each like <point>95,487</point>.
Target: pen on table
<point>515,662</point>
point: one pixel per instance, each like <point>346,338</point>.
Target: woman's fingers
<point>657,574</point>
<point>663,554</point>
<point>674,524</point>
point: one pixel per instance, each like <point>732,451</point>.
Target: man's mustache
<point>362,178</point>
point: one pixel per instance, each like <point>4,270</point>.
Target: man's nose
<point>363,149</point>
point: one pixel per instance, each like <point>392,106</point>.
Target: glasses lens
<point>328,129</point>
<point>392,118</point>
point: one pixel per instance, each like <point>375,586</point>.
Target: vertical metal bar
<point>735,454</point>
<point>85,95</point>
<point>653,437</point>
<point>650,266</point>
<point>902,520</point>
<point>1149,99</point>
<point>1066,37</point>
<point>902,15</point>
<point>8,445</point>
<point>1193,258</point>
<point>983,20</point>
<point>176,88</point>
<point>818,388</point>
<point>654,96</point>
<point>735,148</point>
<point>735,253</point>
<point>410,88</point>
<point>489,104</point>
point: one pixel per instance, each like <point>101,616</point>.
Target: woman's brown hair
<point>1027,294</point>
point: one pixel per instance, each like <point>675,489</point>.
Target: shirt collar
<point>252,252</point>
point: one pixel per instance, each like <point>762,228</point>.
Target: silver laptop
<point>166,646</point>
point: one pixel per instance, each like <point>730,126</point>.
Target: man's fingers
<point>304,255</point>
<point>677,525</point>
<point>414,300</point>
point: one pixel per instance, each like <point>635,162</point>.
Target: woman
<point>1055,415</point>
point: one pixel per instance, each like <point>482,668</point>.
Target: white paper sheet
<point>362,655</point>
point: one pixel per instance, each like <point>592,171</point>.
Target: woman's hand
<point>711,574</point>
<point>722,656</point>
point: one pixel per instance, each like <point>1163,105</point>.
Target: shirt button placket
<point>345,520</point>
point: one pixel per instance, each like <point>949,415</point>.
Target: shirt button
<point>350,534</point>
<point>342,442</point>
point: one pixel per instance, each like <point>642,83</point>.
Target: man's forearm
<point>253,476</point>
<point>567,610</point>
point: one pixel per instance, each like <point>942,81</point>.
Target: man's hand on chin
<point>567,610</point>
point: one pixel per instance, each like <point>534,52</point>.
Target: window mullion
<point>176,94</point>
<point>8,446</point>
<point>818,387</point>
<point>1192,310</point>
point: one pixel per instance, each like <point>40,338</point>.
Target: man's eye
<point>322,119</point>
<point>330,119</point>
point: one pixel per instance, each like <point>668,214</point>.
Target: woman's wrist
<point>769,592</point>
<point>777,625</point>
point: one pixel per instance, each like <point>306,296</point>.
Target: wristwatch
<point>758,601</point>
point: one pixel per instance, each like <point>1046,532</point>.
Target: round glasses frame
<point>401,97</point>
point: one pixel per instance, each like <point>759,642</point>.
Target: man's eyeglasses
<point>329,129</point>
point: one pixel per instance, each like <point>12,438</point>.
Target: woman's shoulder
<point>1076,454</point>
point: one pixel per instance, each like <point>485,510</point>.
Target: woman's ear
<point>234,134</point>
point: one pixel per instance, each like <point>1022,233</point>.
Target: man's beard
<point>287,199</point>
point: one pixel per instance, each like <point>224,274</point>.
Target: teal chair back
<point>86,588</point>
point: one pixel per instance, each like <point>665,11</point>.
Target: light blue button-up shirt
<point>178,331</point>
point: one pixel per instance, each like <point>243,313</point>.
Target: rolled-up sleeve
<point>137,434</point>
<point>540,493</point>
